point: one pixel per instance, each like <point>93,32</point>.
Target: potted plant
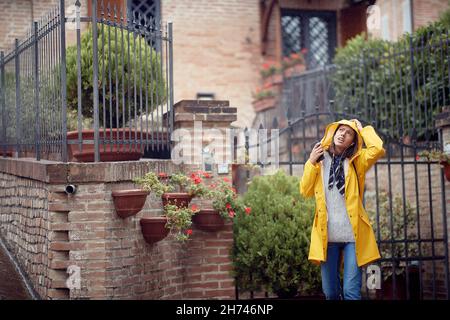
<point>294,64</point>
<point>117,107</point>
<point>271,244</point>
<point>394,255</point>
<point>129,202</point>
<point>177,216</point>
<point>264,98</point>
<point>271,74</point>
<point>177,220</point>
<point>443,157</point>
<point>186,187</point>
<point>225,206</point>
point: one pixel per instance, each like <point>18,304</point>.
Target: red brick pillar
<point>208,266</point>
<point>202,123</point>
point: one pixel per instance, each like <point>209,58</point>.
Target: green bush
<point>271,244</point>
<point>378,73</point>
<point>122,50</point>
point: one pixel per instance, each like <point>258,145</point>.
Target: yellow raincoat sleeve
<point>374,148</point>
<point>308,180</point>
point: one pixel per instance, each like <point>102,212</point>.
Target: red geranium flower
<point>226,179</point>
<point>228,206</point>
<point>162,175</point>
<point>231,213</point>
<point>417,157</point>
<point>194,207</point>
<point>189,232</point>
<point>248,210</point>
<point>206,175</point>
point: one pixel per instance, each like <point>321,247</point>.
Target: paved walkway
<point>11,284</point>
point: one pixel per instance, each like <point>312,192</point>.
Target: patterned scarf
<point>337,173</point>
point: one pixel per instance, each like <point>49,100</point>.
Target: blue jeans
<point>331,282</point>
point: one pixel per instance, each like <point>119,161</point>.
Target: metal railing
<point>398,89</point>
<point>99,82</point>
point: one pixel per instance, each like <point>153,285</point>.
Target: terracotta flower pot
<point>154,228</point>
<point>114,152</point>
<point>129,202</point>
<point>208,220</point>
<point>274,81</point>
<point>446,169</point>
<point>294,70</point>
<point>180,199</point>
<point>263,104</point>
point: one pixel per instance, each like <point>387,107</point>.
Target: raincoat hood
<point>330,130</point>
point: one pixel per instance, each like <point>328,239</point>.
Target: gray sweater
<point>339,226</point>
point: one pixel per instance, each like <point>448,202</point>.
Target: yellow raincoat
<point>312,184</point>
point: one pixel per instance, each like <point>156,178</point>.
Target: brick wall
<point>424,12</point>
<point>51,232</point>
<point>24,222</point>
<point>18,17</point>
<point>427,11</point>
<point>48,231</point>
<point>216,49</point>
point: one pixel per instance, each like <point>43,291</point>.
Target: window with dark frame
<point>313,30</point>
<point>148,9</point>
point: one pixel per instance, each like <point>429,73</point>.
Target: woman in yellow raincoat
<point>335,174</point>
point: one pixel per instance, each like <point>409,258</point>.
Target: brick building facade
<point>218,48</point>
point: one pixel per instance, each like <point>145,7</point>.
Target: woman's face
<point>343,137</point>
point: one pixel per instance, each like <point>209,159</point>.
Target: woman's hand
<point>358,124</point>
<point>316,152</point>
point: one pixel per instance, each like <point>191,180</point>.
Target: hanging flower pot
<point>264,103</point>
<point>294,70</point>
<point>154,228</point>
<point>208,220</point>
<point>274,82</point>
<point>129,202</point>
<point>180,199</point>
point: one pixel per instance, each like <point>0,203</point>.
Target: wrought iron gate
<point>405,195</point>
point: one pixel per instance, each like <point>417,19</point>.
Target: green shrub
<point>271,244</point>
<point>137,60</point>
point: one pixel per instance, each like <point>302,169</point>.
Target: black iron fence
<point>88,83</point>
